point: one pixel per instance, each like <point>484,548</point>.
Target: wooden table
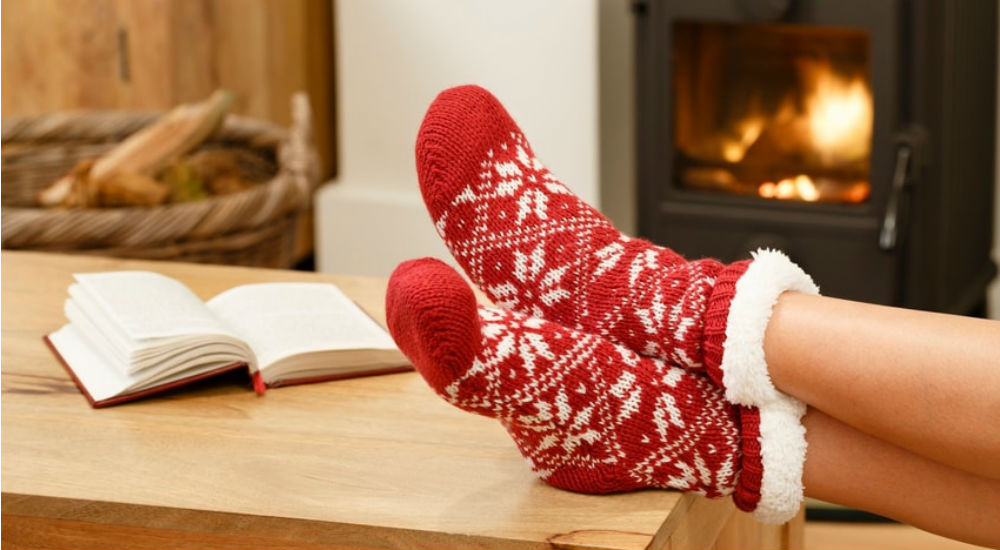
<point>370,462</point>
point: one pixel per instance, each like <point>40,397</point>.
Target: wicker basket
<point>257,227</point>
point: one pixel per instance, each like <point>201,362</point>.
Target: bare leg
<point>926,382</point>
<point>849,467</point>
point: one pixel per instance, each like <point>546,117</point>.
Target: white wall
<point>393,56</point>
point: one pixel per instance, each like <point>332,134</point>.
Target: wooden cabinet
<point>152,54</point>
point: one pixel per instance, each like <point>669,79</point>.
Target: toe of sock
<point>460,127</point>
<point>432,316</point>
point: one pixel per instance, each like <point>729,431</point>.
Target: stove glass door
<point>780,112</point>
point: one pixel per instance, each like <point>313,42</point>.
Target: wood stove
<point>855,135</point>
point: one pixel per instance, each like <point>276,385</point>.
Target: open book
<point>135,333</point>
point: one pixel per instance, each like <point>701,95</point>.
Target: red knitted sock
<point>589,415</point>
<point>534,247</point>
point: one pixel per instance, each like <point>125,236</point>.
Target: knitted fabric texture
<point>588,415</point>
<point>534,247</point>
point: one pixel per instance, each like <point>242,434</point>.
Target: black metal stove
<point>855,135</point>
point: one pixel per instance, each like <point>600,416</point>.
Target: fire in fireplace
<point>856,136</point>
<point>774,111</point>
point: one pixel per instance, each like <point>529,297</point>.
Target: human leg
<point>849,467</point>
<point>927,382</point>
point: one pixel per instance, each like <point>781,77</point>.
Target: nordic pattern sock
<point>588,415</point>
<point>534,247</point>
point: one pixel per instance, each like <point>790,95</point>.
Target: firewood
<point>214,171</point>
<point>113,176</point>
<point>71,190</point>
<point>179,131</point>
<point>129,189</point>
<point>225,171</point>
<point>184,182</point>
<point>57,193</point>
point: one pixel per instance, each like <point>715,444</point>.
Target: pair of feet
<point>614,364</point>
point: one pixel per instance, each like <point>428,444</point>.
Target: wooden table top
<point>377,461</point>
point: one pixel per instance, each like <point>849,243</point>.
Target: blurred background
<point>671,117</point>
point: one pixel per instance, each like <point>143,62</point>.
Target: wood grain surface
<point>369,462</point>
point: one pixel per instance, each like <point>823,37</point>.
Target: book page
<point>103,380</point>
<point>148,305</point>
<point>94,371</point>
<point>279,320</point>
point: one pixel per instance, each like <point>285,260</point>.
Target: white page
<point>283,319</point>
<point>149,305</point>
<point>104,380</point>
<point>93,370</point>
<point>99,336</point>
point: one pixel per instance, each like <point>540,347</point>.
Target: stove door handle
<point>889,235</point>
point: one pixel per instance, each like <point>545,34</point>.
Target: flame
<point>800,187</point>
<point>822,127</point>
<point>833,125</point>
<point>858,192</point>
<point>838,109</point>
<point>749,130</point>
<point>831,121</point>
<point>806,188</point>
